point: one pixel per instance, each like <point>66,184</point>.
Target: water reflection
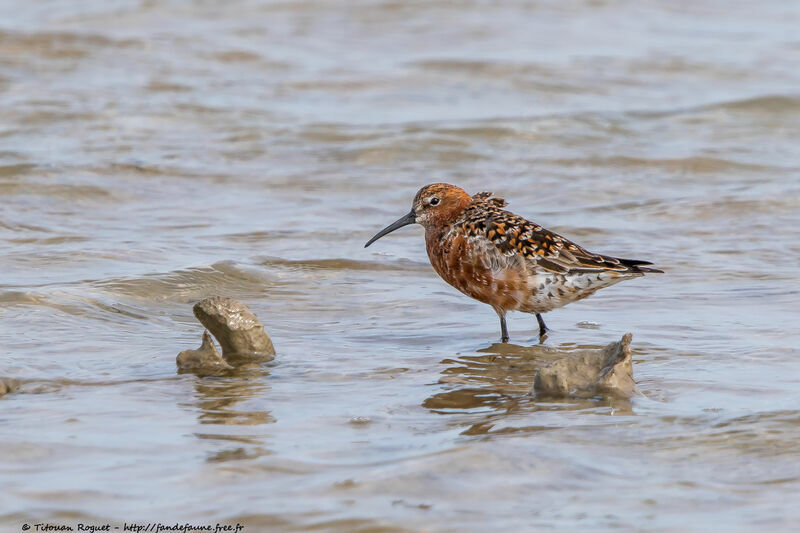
<point>495,379</point>
<point>498,384</point>
<point>220,400</point>
<point>217,397</point>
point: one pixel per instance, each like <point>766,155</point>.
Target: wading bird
<point>505,260</point>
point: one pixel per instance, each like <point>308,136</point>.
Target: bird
<point>504,260</point>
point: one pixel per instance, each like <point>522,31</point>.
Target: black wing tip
<point>637,265</point>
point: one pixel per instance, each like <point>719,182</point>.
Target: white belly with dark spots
<point>551,291</point>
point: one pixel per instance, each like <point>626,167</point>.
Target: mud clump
<point>205,360</point>
<point>590,372</point>
<point>238,331</point>
<point>8,385</point>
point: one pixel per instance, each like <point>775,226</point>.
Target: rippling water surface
<point>156,153</point>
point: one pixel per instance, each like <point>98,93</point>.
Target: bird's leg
<point>542,326</point>
<point>503,329</point>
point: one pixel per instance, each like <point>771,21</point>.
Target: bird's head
<point>435,205</point>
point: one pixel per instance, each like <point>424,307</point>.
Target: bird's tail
<point>635,265</point>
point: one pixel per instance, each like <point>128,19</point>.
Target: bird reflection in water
<point>495,386</point>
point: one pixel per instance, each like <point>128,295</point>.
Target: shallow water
<point>156,153</point>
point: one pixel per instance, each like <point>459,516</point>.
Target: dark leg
<point>542,327</point>
<point>503,329</point>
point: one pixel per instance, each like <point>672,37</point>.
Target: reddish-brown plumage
<point>504,260</point>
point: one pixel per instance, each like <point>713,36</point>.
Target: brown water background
<point>156,153</point>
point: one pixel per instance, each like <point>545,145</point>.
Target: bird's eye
<point>434,201</point>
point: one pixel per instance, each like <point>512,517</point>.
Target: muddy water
<point>156,153</point>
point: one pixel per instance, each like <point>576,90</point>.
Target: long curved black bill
<point>410,218</point>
